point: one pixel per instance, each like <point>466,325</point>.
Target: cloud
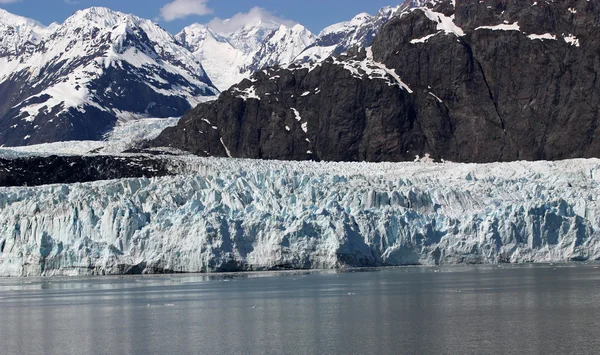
<point>177,9</point>
<point>72,2</point>
<point>8,1</point>
<point>240,20</point>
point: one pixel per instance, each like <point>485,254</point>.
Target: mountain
<point>465,81</point>
<point>280,47</point>
<point>229,57</point>
<point>341,37</point>
<point>75,80</point>
<point>220,59</point>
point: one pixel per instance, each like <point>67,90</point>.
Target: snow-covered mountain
<point>358,32</point>
<point>230,215</point>
<point>75,80</point>
<point>281,47</point>
<point>229,57</point>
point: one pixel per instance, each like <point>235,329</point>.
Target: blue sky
<point>314,14</point>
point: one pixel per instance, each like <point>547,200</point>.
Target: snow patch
<point>444,23</point>
<point>542,36</point>
<point>424,39</point>
<point>224,146</point>
<point>572,40</point>
<point>249,93</point>
<point>502,27</point>
<point>296,114</point>
<point>373,69</point>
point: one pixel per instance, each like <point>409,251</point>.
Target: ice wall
<point>228,215</point>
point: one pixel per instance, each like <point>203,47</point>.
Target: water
<point>456,310</point>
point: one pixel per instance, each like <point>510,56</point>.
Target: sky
<point>173,15</point>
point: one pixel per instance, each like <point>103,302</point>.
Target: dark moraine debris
<point>482,81</point>
<point>34,171</point>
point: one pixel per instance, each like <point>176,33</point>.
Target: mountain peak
<point>16,32</point>
<point>11,19</point>
<point>101,16</point>
<point>261,25</point>
<point>362,17</point>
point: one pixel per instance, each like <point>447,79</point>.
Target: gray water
<point>456,310</point>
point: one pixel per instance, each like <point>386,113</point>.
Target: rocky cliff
<point>475,81</point>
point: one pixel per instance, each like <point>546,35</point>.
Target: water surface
<point>454,310</point>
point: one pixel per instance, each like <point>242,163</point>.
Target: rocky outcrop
<point>498,80</point>
<point>34,171</point>
<point>302,114</point>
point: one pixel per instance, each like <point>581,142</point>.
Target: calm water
<point>458,310</point>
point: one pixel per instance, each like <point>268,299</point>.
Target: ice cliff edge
<point>234,215</point>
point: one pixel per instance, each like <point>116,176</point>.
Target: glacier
<point>124,136</point>
<point>237,215</point>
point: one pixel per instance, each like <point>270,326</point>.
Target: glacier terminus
<point>236,215</point>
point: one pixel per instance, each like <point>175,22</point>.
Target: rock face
<point>233,215</point>
<point>76,80</point>
<point>485,81</point>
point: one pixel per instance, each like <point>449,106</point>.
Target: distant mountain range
<point>76,80</point>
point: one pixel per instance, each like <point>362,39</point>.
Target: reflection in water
<point>458,310</point>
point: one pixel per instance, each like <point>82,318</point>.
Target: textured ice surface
<point>241,214</point>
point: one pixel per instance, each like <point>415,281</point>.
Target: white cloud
<point>177,9</point>
<point>252,17</point>
<point>8,1</point>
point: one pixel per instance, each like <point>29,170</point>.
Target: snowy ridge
<point>227,215</point>
<point>281,47</point>
<point>229,58</point>
<point>18,34</point>
<point>372,69</point>
<point>358,32</point>
<point>220,59</point>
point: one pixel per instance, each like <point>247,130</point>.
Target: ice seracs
<point>230,215</point>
